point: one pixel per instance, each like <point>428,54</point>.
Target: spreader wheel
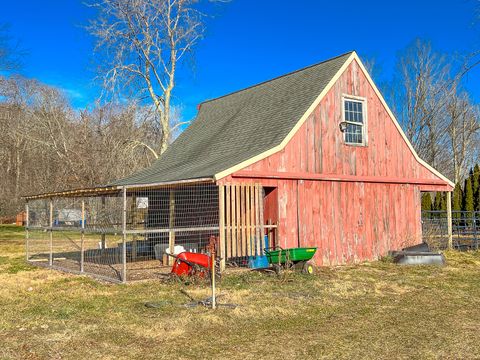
<point>308,268</point>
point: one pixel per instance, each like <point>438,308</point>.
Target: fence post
<point>82,241</point>
<point>27,235</point>
<point>124,235</point>
<point>50,258</point>
<point>475,234</point>
<point>221,218</point>
<point>171,225</point>
<point>449,219</point>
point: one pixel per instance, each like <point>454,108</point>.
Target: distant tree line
<point>465,197</point>
<point>47,145</point>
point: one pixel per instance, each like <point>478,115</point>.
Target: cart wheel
<point>308,268</point>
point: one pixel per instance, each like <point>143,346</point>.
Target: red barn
<point>336,169</point>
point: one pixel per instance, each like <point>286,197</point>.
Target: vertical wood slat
<point>247,219</point>
<point>221,209</point>
<point>252,220</point>
<point>257,221</point>
<point>228,224</point>
<point>234,220</point>
<point>237,221</point>
<point>242,220</point>
<point>260,206</point>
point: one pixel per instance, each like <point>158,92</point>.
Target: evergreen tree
<point>426,202</point>
<point>468,200</point>
<point>457,200</point>
<point>476,187</point>
<point>440,203</point>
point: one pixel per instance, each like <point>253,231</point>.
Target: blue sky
<point>248,41</point>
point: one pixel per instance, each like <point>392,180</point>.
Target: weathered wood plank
<point>228,221</point>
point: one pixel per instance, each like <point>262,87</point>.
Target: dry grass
<point>375,310</point>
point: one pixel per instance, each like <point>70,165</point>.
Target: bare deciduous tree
<point>463,132</point>
<point>439,119</point>
<point>141,44</point>
<point>423,90</point>
<point>10,54</point>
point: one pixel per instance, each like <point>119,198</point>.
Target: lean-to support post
<point>221,218</point>
<point>449,219</point>
<point>171,225</point>
<point>103,216</point>
<point>124,236</point>
<point>50,257</point>
<point>27,235</point>
<point>82,239</point>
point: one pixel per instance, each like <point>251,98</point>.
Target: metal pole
<point>212,270</point>
<point>449,220</point>
<point>124,233</point>
<point>50,258</point>
<point>82,241</point>
<point>27,235</point>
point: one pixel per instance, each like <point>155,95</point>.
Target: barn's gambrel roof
<point>238,129</point>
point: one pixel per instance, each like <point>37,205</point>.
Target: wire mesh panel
<point>38,248</point>
<point>123,234</point>
<point>164,221</point>
<point>465,229</point>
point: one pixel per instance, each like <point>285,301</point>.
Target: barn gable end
<point>316,145</point>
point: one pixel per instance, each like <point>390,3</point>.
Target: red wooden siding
<point>350,220</point>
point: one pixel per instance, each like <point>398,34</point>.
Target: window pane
<point>353,134</point>
<point>353,111</point>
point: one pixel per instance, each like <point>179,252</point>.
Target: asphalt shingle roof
<point>236,127</point>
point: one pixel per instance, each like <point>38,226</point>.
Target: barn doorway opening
<point>270,215</point>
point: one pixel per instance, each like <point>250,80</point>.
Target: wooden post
<point>257,221</point>
<point>260,206</point>
<point>171,225</point>
<point>247,220</point>
<point>242,221</point>
<point>50,257</point>
<point>449,219</point>
<point>252,221</point>
<point>221,217</point>
<point>228,223</point>
<point>124,237</point>
<point>238,221</point>
<point>103,241</point>
<point>27,235</point>
<point>234,220</point>
<point>82,239</point>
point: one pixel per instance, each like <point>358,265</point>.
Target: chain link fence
<point>122,234</point>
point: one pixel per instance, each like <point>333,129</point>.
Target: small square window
<point>355,121</point>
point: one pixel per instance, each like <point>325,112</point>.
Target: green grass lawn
<point>374,310</point>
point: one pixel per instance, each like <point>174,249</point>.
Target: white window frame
<point>364,125</point>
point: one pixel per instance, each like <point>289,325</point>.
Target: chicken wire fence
<point>465,229</point>
<point>123,234</point>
